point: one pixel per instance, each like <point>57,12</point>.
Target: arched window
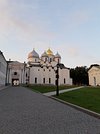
<point>94,81</point>
<point>49,80</point>
<point>44,80</point>
<point>35,80</point>
<point>45,59</point>
<point>50,59</point>
<point>15,73</point>
<point>58,60</point>
<point>64,80</point>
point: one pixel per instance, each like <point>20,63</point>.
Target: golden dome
<point>49,52</point>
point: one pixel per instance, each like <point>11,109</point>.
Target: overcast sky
<point>71,27</point>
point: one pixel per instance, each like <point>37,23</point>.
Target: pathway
<point>23,111</point>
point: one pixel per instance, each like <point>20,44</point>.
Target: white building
<point>3,66</point>
<point>16,73</point>
<point>42,69</point>
<point>94,75</point>
<point>38,70</point>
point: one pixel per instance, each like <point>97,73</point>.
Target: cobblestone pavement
<point>24,112</point>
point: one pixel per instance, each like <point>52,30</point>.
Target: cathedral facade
<point>39,70</point>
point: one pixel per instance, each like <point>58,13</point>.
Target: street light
<point>57,79</point>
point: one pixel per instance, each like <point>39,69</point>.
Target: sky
<point>70,27</point>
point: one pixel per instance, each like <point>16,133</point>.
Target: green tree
<point>79,75</point>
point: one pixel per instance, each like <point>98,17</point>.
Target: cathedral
<point>38,70</point>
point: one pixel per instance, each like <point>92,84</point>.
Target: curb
<point>3,87</point>
<point>89,112</point>
<point>62,91</point>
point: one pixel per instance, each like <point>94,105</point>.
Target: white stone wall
<point>19,69</point>
<point>40,73</point>
<point>94,76</point>
<point>64,74</point>
<point>3,66</point>
<point>49,73</point>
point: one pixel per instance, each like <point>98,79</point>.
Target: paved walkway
<point>23,111</point>
<point>3,87</point>
<point>62,91</point>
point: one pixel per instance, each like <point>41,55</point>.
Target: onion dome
<point>44,54</point>
<point>33,54</point>
<point>57,55</point>
<point>49,52</point>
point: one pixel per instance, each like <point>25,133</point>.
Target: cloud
<point>73,51</point>
<point>79,17</point>
<point>22,29</point>
<point>75,19</point>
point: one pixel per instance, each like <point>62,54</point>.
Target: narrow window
<point>58,60</point>
<point>45,59</point>
<point>50,59</point>
<point>94,81</point>
<point>64,80</point>
<point>49,80</point>
<point>35,80</point>
<point>44,80</point>
<point>0,65</point>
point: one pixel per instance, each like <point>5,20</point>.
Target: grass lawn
<point>88,97</point>
<point>48,88</point>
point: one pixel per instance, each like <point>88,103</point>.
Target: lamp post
<point>57,79</point>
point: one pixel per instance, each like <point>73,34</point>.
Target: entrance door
<point>15,82</point>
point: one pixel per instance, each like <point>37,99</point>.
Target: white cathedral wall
<point>41,73</point>
<point>47,73</point>
<point>64,74</point>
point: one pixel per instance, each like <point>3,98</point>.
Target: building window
<point>64,80</point>
<point>35,60</point>
<point>50,59</point>
<point>15,73</point>
<point>58,60</point>
<point>44,80</point>
<point>44,69</point>
<point>49,70</point>
<point>49,80</point>
<point>45,59</point>
<point>0,65</point>
<point>38,69</point>
<point>35,80</point>
<point>94,81</point>
<point>26,74</point>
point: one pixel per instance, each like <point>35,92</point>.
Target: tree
<point>79,75</point>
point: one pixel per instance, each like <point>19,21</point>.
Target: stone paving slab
<point>23,111</point>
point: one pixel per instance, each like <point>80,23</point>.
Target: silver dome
<point>57,55</point>
<point>44,54</point>
<point>33,54</point>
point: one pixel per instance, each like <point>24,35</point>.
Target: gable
<point>94,69</point>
